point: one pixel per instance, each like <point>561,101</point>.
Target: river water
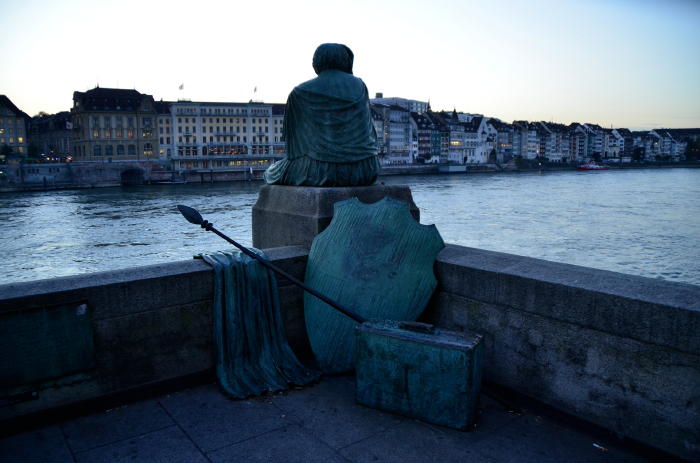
<point>641,222</point>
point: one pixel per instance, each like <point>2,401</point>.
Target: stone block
<point>289,215</point>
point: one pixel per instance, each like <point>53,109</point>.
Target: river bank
<point>73,176</point>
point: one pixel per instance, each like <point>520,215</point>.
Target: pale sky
<point>623,63</point>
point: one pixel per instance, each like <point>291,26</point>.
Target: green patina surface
<point>374,259</point>
<point>434,376</point>
<point>329,135</point>
<point>252,353</point>
<point>46,343</point>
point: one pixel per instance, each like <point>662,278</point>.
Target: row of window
<point>119,150</point>
<point>10,121</point>
<point>11,140</point>
<point>226,150</point>
<point>186,129</point>
<point>216,163</point>
<point>118,121</point>
<point>119,133</point>
<point>224,120</point>
<point>239,139</point>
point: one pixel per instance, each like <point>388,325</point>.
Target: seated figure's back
<point>328,129</point>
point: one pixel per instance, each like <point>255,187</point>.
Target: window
<point>97,150</point>
<point>147,149</point>
<point>131,150</point>
<point>120,150</point>
<point>108,150</point>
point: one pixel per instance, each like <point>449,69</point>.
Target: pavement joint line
<point>122,440</point>
<point>199,449</point>
<point>252,437</point>
<point>310,434</point>
<point>65,440</point>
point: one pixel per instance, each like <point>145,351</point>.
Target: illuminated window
<point>130,133</point>
<point>20,140</point>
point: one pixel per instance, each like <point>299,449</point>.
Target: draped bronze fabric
<point>252,353</point>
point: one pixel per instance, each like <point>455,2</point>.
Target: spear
<point>194,217</point>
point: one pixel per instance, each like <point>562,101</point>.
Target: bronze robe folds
<point>329,134</point>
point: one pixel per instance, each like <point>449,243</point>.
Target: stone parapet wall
<point>151,324</point>
<point>616,350</point>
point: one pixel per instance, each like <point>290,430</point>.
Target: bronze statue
<point>328,129</point>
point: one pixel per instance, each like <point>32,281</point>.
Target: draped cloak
<point>329,134</point>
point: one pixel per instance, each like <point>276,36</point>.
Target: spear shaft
<point>193,216</point>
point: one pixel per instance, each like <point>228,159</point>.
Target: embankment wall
<point>617,350</point>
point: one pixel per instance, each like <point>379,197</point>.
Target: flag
<point>255,90</point>
<point>182,86</point>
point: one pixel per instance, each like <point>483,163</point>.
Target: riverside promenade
<point>321,423</point>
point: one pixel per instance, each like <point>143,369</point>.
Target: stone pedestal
<point>294,215</point>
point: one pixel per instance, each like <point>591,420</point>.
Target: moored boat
<point>592,166</point>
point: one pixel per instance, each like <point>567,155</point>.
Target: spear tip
<point>192,215</point>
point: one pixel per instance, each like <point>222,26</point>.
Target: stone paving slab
<point>321,423</point>
<point>329,412</point>
<point>169,445</point>
<point>121,423</point>
<point>214,421</point>
<point>291,444</point>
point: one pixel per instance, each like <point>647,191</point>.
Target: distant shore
<point>424,169</point>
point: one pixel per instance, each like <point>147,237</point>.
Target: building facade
<point>397,135</point>
<point>205,136</point>
<point>413,106</point>
<point>113,124</point>
<point>52,135</point>
<point>13,129</point>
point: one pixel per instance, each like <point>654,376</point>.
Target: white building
<point>215,136</point>
<point>413,106</point>
<point>397,141</point>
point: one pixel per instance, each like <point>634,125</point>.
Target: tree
<point>42,114</point>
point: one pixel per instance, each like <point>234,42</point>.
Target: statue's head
<point>333,56</point>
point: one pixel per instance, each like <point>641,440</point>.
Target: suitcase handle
<point>418,327</point>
